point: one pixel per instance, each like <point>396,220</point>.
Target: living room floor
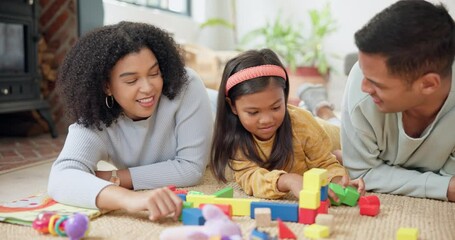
<point>33,179</point>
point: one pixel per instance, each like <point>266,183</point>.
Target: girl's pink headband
<point>254,72</point>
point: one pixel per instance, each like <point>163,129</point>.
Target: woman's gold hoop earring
<point>111,100</point>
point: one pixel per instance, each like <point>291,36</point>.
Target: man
<point>398,119</point>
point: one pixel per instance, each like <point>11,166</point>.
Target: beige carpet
<point>434,219</point>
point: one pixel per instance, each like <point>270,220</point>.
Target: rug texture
<point>434,220</point>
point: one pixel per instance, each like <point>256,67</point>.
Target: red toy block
<point>284,231</point>
<point>372,199</point>
<point>226,208</point>
<point>324,207</point>
<point>369,210</point>
<point>172,187</point>
<point>307,216</point>
<point>180,191</point>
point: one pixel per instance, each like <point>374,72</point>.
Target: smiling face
<point>389,93</point>
<point>261,113</point>
<point>136,84</point>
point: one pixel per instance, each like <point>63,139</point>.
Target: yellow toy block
<point>199,199</point>
<point>315,178</point>
<point>309,199</point>
<point>407,234</point>
<point>315,231</point>
<point>240,206</point>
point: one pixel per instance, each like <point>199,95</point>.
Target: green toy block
<point>339,191</point>
<point>351,196</point>
<point>185,205</point>
<point>227,192</point>
<point>195,193</point>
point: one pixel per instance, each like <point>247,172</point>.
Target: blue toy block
<point>192,216</point>
<point>182,196</point>
<point>324,192</point>
<point>288,212</point>
<point>258,235</point>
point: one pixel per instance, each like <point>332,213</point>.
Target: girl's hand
<point>290,182</point>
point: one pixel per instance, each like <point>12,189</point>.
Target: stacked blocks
<point>348,195</point>
<point>369,205</point>
<point>314,182</point>
<point>407,234</point>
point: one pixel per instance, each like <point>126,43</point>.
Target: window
<point>176,6</point>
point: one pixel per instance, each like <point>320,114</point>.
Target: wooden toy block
<point>407,234</point>
<point>226,208</point>
<point>192,216</point>
<point>284,231</point>
<point>339,191</point>
<point>198,199</point>
<point>369,209</point>
<point>315,178</point>
<point>172,187</point>
<point>181,191</point>
<point>324,192</point>
<point>240,206</point>
<point>316,231</point>
<point>307,216</point>
<point>324,207</point>
<point>227,192</point>
<point>310,199</point>
<point>325,220</point>
<point>182,196</point>
<point>185,205</point>
<point>371,199</point>
<point>263,217</point>
<point>215,238</point>
<point>258,235</point>
<point>285,211</point>
<point>351,196</point>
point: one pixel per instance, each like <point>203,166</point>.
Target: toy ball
<point>76,226</point>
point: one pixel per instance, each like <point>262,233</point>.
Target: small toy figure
<point>216,224</point>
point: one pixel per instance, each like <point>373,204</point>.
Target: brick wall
<point>58,27</point>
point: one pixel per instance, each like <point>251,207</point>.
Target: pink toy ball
<point>76,226</point>
<point>41,222</point>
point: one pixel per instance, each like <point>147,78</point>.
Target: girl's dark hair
<point>415,36</point>
<point>86,70</point>
<point>229,134</point>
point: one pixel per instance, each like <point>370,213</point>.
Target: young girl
<point>135,104</point>
<point>267,143</point>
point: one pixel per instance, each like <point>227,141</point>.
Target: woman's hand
<point>159,203</point>
<point>345,181</point>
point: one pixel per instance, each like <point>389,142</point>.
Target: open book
<point>24,211</point>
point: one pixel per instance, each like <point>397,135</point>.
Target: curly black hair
<point>86,70</point>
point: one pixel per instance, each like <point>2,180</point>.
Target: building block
<point>258,235</point>
<point>240,206</point>
<point>172,187</point>
<point>215,237</point>
<point>325,220</point>
<point>307,216</point>
<point>227,192</point>
<point>180,191</point>
<point>195,193</point>
<point>369,210</point>
<point>199,199</point>
<point>324,207</point>
<point>285,211</point>
<point>182,196</point>
<point>316,231</point>
<point>315,178</point>
<point>407,234</point>
<point>369,205</point>
<point>351,196</point>
<point>263,217</point>
<point>324,192</point>
<point>371,199</point>
<point>339,191</point>
<point>185,205</point>
<point>192,216</point>
<point>226,208</point>
<point>284,231</point>
<point>310,199</point>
